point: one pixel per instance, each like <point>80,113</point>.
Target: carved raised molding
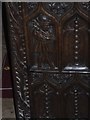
<point>76,27</point>
<point>59,80</point>
<point>18,53</point>
<point>50,59</point>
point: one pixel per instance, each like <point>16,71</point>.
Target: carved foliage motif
<point>85,78</point>
<point>18,53</point>
<point>57,9</point>
<point>36,78</point>
<point>54,78</point>
<point>85,6</point>
<point>60,80</point>
<point>43,42</point>
<point>30,7</point>
<point>73,92</point>
<point>44,82</point>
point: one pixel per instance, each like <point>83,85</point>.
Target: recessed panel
<point>42,43</point>
<point>75,45</point>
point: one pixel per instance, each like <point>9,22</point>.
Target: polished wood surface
<point>50,59</point>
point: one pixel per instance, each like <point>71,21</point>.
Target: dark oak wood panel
<point>50,58</point>
<point>75,38</point>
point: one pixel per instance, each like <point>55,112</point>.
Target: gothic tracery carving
<point>58,9</point>
<point>43,40</point>
<point>85,6</point>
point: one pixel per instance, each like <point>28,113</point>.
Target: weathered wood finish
<point>50,48</point>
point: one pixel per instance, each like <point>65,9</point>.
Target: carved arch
<point>73,27</point>
<point>78,95</point>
